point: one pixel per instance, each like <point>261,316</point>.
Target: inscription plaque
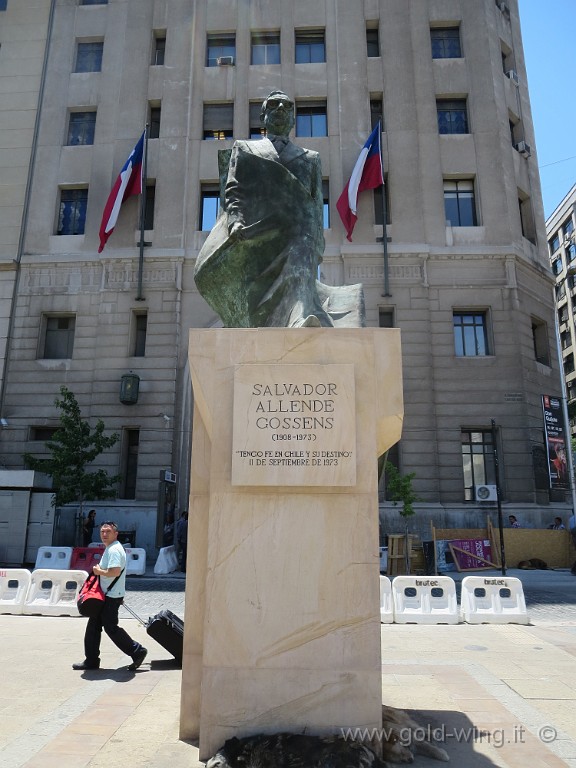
<point>294,425</point>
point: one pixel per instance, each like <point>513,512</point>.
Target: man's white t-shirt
<point>114,556</point>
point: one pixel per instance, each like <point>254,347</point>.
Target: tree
<point>73,447</point>
<point>399,488</point>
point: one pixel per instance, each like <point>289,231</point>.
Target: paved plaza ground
<point>495,695</point>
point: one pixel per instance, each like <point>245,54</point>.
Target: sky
<point>548,34</point>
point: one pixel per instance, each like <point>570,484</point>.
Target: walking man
<point>111,565</point>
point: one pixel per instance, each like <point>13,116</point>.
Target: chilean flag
<point>367,174</point>
<point>128,183</point>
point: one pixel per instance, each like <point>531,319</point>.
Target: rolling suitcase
<point>166,628</point>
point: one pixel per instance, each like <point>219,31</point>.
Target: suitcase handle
<point>134,614</point>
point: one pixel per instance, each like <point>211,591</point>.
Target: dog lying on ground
<point>399,740</point>
<point>534,564</point>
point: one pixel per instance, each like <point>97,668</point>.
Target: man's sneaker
<point>86,665</point>
<point>138,658</point>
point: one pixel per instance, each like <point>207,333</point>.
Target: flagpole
<point>139,296</point>
<point>384,218</point>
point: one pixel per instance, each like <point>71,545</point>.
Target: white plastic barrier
<point>424,600</point>
<point>493,600</point>
<point>54,593</point>
<point>53,557</point>
<point>386,607</point>
<point>135,561</point>
<point>167,560</point>
<point>14,585</point>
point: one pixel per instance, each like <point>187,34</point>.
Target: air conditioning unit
<point>225,61</point>
<point>523,148</point>
<point>512,75</point>
<point>486,493</point>
<point>169,477</point>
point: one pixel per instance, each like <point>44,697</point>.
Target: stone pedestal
<point>282,595</point>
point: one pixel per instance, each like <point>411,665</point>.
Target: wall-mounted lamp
<point>129,386</point>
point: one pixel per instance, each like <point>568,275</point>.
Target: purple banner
<point>555,441</point>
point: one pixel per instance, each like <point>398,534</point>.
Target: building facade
<point>562,251</point>
<point>463,270</point>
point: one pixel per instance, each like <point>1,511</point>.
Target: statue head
<point>277,113</point>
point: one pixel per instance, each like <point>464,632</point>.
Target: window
<point>130,447</point>
<point>3,4</point>
<point>265,48</point>
<point>459,203</point>
<point>42,434</point>
<point>561,290</point>
<point>376,113</point>
<point>445,43</point>
<point>554,243</point>
<point>311,119</point>
<point>565,339</point>
<point>385,317</point>
<point>89,57</point>
<point>257,130</point>
<point>571,253</point>
<point>452,116</point>
<point>326,204</point>
<point>154,122</point>
<point>372,42</point>
<point>379,203</point>
<point>563,314</point>
<point>58,337</point>
<point>569,364</point>
<point>93,2</point>
<point>218,122</point>
<point>138,333</point>
<point>149,203</point>
<point>540,341</point>
<point>470,334</point>
<point>477,460</point>
<point>310,47</point>
<point>557,266</point>
<point>220,50</point>
<point>72,213</point>
<point>159,50</point>
<point>209,204</point>
<point>81,127</point>
<point>568,228</point>
<point>526,217</point>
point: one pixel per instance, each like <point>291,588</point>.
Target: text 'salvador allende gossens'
<point>295,406</point>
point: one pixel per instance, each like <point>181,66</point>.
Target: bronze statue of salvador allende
<point>258,266</point>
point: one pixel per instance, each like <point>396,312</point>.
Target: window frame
<point>76,198</point>
<point>468,342</point>
<point>268,41</point>
<point>441,38</point>
<point>209,196</point>
<point>219,45</point>
<point>218,121</point>
<point>85,127</point>
<point>486,468</point>
<point>88,52</point>
<point>55,338</point>
<point>139,332</point>
<point>452,116</point>
<point>310,46</point>
<point>313,113</point>
<point>154,120</point>
<point>372,42</point>
<point>467,215</point>
<point>159,49</point>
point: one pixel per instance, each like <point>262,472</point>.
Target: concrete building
<point>463,270</point>
<point>562,250</point>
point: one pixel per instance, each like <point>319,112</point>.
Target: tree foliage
<point>73,448</point>
<point>399,488</point>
